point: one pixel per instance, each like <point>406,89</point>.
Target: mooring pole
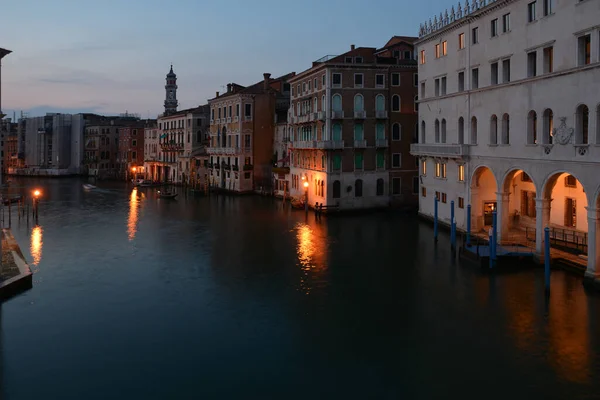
<point>435,219</point>
<point>469,225</point>
<point>494,234</point>
<point>452,243</point>
<point>547,258</point>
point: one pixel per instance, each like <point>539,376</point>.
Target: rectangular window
<point>444,198</point>
<point>474,35</point>
<point>424,168</point>
<point>461,41</point>
<point>531,11</point>
<point>248,110</point>
<point>358,80</point>
<point>461,173</point>
<point>396,186</point>
<point>548,7</point>
<point>358,60</point>
<point>475,78</point>
<point>443,86</point>
<point>444,48</point>
<point>532,64</point>
<point>494,73</point>
<point>494,27</point>
<point>506,23</point>
<point>396,159</point>
<point>379,79</point>
<point>422,90</point>
<point>380,160</point>
<point>358,160</point>
<point>358,132</point>
<point>506,70</point>
<point>337,162</point>
<point>444,170</point>
<point>422,56</point>
<point>437,51</point>
<point>570,212</point>
<point>437,87</point>
<point>337,80</point>
<point>570,181</point>
<point>395,79</point>
<point>408,55</point>
<point>548,60</point>
<point>237,110</point>
<point>415,184</point>
<point>230,108</point>
<point>461,81</point>
<point>584,49</point>
<point>416,80</point>
<point>438,169</point>
<point>323,83</point>
<point>423,191</point>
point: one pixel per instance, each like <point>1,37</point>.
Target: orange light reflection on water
<point>132,220</point>
<point>36,244</point>
<point>311,250</point>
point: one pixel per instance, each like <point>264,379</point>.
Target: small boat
<point>87,186</point>
<point>137,182</point>
<point>166,195</point>
<point>10,200</point>
<point>146,183</point>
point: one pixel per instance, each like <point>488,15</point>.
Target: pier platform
<point>15,274</point>
<point>506,256</point>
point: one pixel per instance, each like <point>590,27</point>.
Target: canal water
<point>239,298</point>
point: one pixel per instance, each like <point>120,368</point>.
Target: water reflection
<point>312,254</point>
<point>132,220</point>
<point>36,243</point>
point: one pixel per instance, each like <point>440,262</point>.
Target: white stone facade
<point>509,100</point>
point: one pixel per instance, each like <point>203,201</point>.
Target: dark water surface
<point>236,298</point>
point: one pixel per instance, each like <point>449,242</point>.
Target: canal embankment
<point>15,274</point>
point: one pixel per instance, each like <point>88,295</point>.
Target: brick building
<point>353,119</point>
<point>131,149</point>
<point>242,127</point>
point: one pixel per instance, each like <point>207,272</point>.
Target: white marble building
<point>509,117</point>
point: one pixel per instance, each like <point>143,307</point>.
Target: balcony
<point>439,150</point>
<point>337,114</point>
<point>360,114</point>
<point>381,114</point>
<point>171,146</point>
<point>314,116</point>
<point>228,120</point>
<point>302,144</point>
<point>330,144</point>
<point>224,150</point>
<point>321,115</point>
<point>236,119</point>
<point>381,143</point>
<point>360,144</point>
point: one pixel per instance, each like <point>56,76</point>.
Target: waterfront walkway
<point>15,275</point>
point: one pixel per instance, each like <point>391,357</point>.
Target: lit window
<point>444,48</point>
<point>424,167</point>
<point>461,173</point>
<point>461,41</point>
<point>422,56</point>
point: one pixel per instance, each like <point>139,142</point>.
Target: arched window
<point>494,130</point>
<point>395,103</point>
<point>474,130</point>
<point>337,189</point>
<point>322,188</point>
<point>437,131</point>
<point>380,103</point>
<point>443,131</point>
<point>461,130</point>
<point>358,188</point>
<point>380,187</point>
<point>336,102</point>
<point>581,124</point>
<point>422,131</point>
<point>532,128</point>
<point>505,129</point>
<point>359,103</point>
<point>323,103</point>
<point>337,132</point>
<point>548,126</point>
<point>380,131</point>
<point>396,131</point>
<point>315,105</point>
<point>224,137</point>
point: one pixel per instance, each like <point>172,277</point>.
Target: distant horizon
<point>102,62</point>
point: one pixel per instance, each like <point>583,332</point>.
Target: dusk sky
<point>111,56</point>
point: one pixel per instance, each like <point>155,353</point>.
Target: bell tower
<point>171,93</point>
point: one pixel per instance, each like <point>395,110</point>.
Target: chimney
<point>267,77</point>
<point>217,95</point>
<point>229,88</point>
<point>352,47</point>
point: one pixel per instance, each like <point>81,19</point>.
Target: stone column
<point>542,220</point>
<point>503,214</point>
<point>593,253</point>
<point>476,205</point>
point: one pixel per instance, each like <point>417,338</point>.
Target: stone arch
<point>518,212</point>
<point>483,185</point>
<point>582,122</point>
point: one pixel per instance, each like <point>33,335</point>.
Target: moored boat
<point>87,186</point>
<point>166,195</point>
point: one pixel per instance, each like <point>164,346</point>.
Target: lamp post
<point>134,169</point>
<point>36,200</point>
<point>305,184</point>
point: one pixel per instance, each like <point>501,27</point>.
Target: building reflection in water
<point>132,220</point>
<point>312,254</point>
<point>36,243</point>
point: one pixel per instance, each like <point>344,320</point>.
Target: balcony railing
<point>225,150</point>
<point>360,144</point>
<point>337,114</point>
<point>381,114</point>
<point>381,143</point>
<point>360,114</point>
<point>330,144</point>
<point>321,115</point>
<point>444,150</point>
<point>304,144</point>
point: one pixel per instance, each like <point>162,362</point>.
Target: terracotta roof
<point>255,88</point>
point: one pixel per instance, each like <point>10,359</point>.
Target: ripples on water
<point>239,297</point>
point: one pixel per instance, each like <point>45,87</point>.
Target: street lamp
<point>305,184</point>
<point>36,200</point>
